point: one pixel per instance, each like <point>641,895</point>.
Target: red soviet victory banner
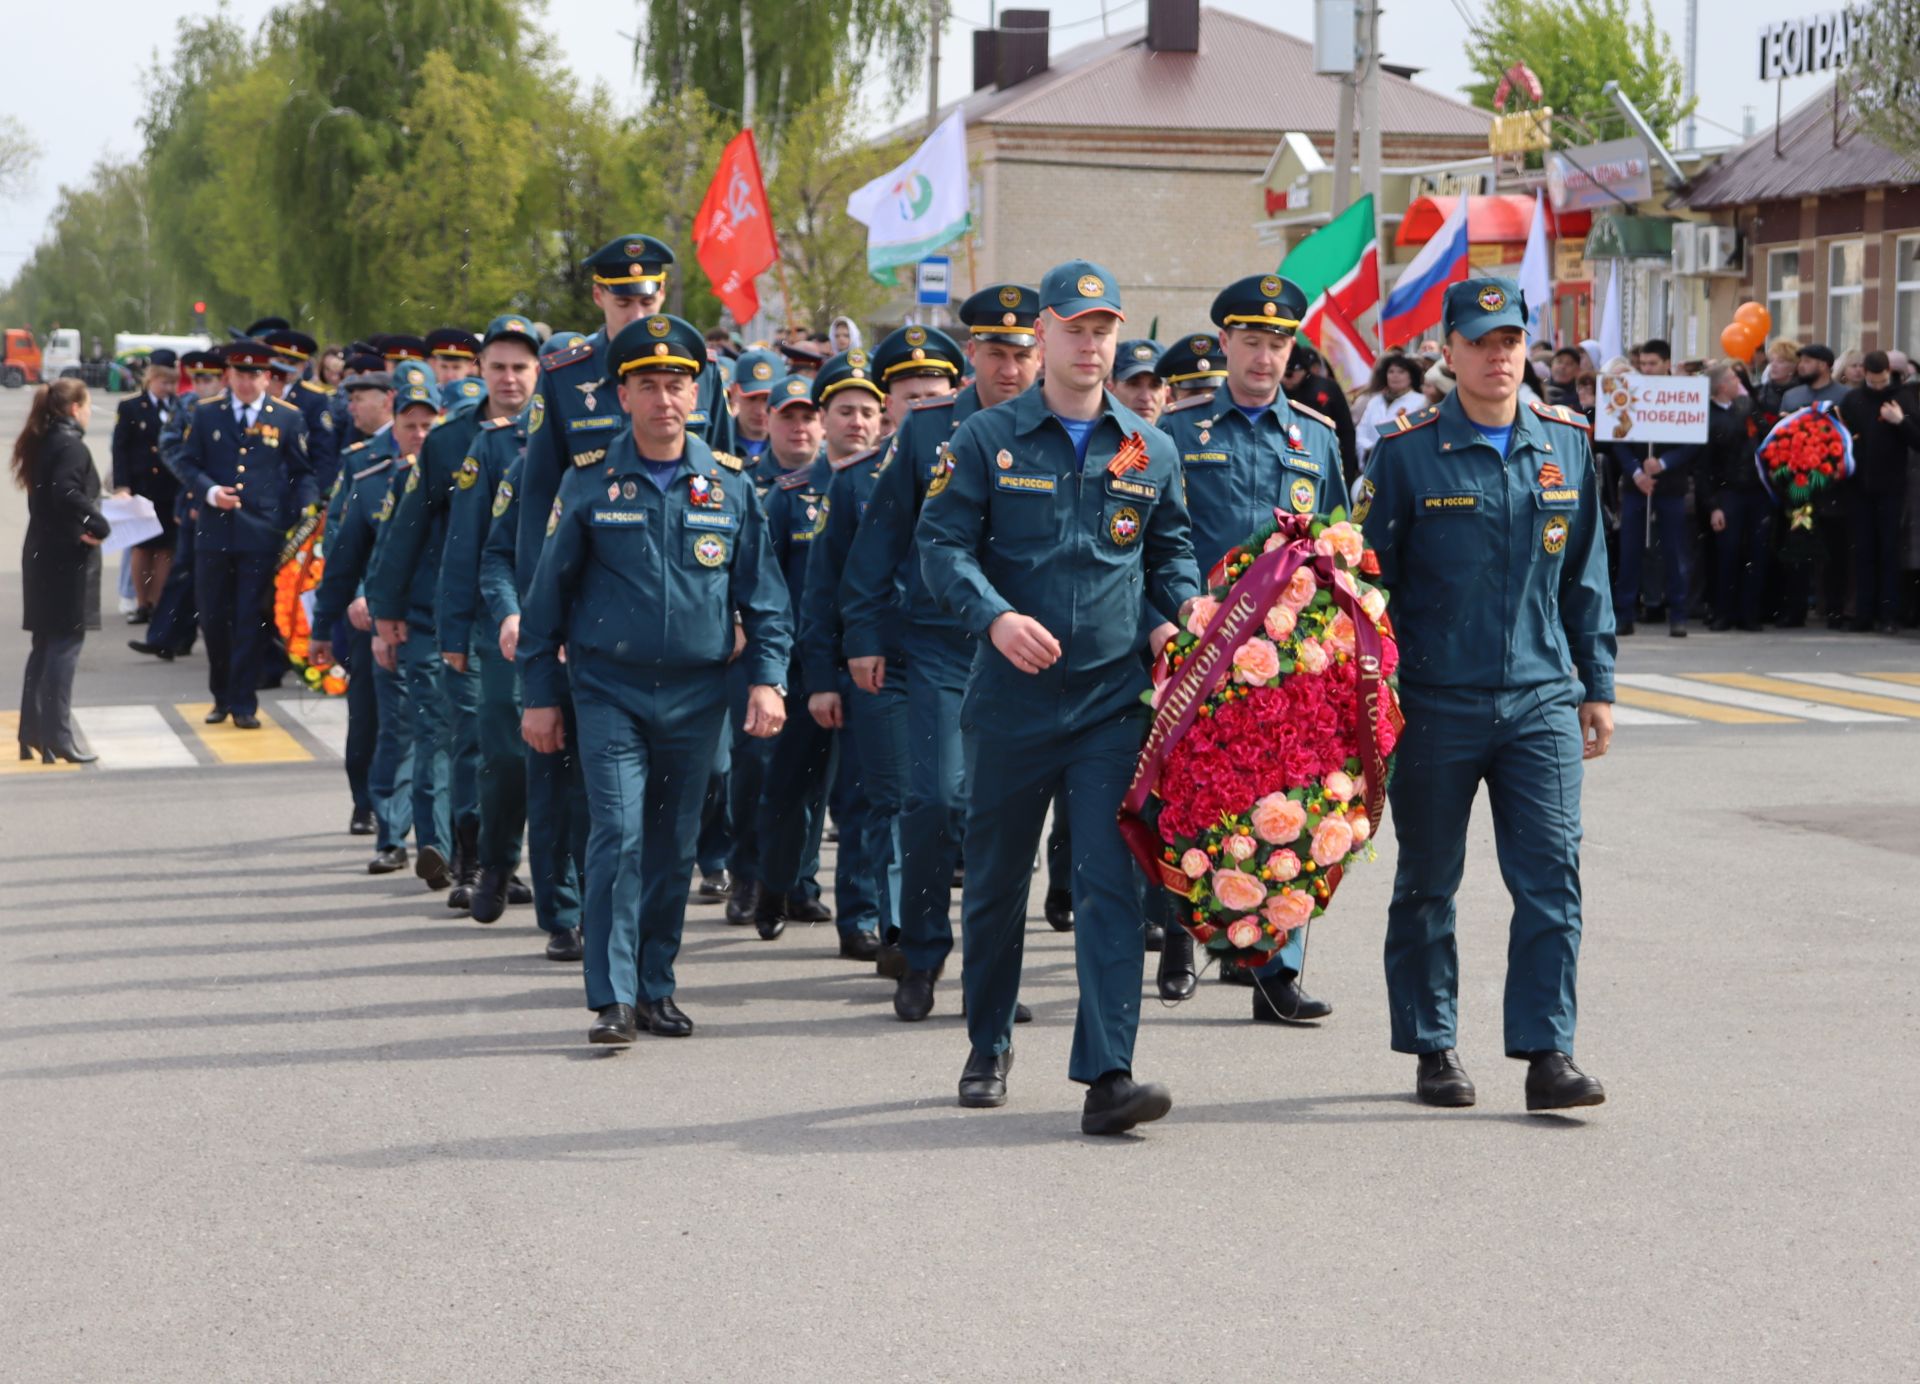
<point>733,233</point>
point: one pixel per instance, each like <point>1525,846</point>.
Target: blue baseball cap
<point>1477,306</point>
<point>756,371</point>
<point>420,391</point>
<point>1079,287</point>
<point>794,389</point>
<point>511,326</point>
<point>1138,357</point>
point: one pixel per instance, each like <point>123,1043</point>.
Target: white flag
<point>919,206</point>
<point>1536,276</point>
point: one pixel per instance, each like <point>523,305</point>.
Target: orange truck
<point>20,362</point>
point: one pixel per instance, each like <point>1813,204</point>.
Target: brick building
<point>1148,151</point>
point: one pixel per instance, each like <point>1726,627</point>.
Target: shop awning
<point>1623,235</point>
<point>1503,219</point>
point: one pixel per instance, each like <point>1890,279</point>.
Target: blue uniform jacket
<point>1014,524</point>
<point>266,465</point>
<point>353,515</point>
<point>499,585</point>
<point>580,417</point>
<point>315,402</point>
<point>403,580</point>
<point>475,502</point>
<point>796,510</point>
<point>1238,472</point>
<point>882,590</point>
<point>636,582</point>
<point>1497,567</point>
<point>848,495</point>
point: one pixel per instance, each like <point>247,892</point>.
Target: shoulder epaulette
<point>579,351</point>
<point>730,461</point>
<point>316,386</point>
<point>1312,413</point>
<point>859,457</point>
<point>353,447</point>
<point>503,421</point>
<point>1407,422</point>
<point>1192,401</point>
<point>793,480</point>
<point>379,465</point>
<point>1560,413</point>
<point>935,401</point>
<point>280,403</point>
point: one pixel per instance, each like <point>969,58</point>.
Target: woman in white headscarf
<point>844,333</point>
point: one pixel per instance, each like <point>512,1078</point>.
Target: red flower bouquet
<point>1803,454</point>
<point>302,563</point>
<point>1273,737</point>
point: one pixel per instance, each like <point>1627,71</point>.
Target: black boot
<point>1059,910</point>
<point>913,996</point>
<point>1116,1103</point>
<point>388,860</point>
<point>983,1081</point>
<point>769,915</point>
<point>1442,1080</point>
<point>361,823</point>
<point>489,898</point>
<point>466,865</point>
<point>1177,977</point>
<point>742,901</point>
<point>1280,1000</point>
<point>431,865</point>
<point>1554,1083</point>
<point>519,892</point>
<point>565,945</point>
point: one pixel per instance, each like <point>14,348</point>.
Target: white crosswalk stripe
<point>1847,682</point>
<point>133,737</point>
<point>323,718</point>
<point>1640,716</point>
<point>1751,701</point>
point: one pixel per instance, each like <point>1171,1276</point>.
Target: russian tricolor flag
<point>1413,303</point>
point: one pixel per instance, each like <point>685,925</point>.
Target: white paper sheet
<point>133,520</point>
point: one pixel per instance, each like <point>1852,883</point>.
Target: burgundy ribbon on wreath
<point>1241,616</point>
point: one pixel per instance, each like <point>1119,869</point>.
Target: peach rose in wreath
<point>1280,622</point>
<point>1373,602</point>
<point>1312,656</point>
<point>1340,633</point>
<point>1195,863</point>
<point>1344,539</point>
<point>1283,866</point>
<point>1256,662</point>
<point>1362,827</point>
<point>1244,933</point>
<point>1237,890</point>
<point>1278,820</point>
<point>1200,614</point>
<point>1332,841</point>
<point>1293,909</point>
<point>1338,786</point>
<point>1241,846</point>
<point>1301,590</point>
<point>1277,540</point>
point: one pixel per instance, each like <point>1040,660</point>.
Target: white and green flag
<point>919,206</point>
<point>1338,268</point>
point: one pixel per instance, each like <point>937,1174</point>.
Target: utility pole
<point>1369,101</point>
<point>1690,77</point>
<point>1346,17</point>
<point>939,8</point>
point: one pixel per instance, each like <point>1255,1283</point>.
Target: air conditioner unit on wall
<point>1686,249</point>
<point>1719,250</point>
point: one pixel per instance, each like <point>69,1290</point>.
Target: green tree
<point>573,199</point>
<point>97,268</point>
<point>1576,47</point>
<point>762,61</point>
<point>18,154</point>
<point>1883,75</point>
<point>663,167</point>
<point>823,157</point>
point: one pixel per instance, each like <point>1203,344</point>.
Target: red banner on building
<point>733,233</point>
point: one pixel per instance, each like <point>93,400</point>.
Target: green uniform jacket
<point>1497,567</point>
<point>848,493</point>
<point>471,508</point>
<point>404,577</point>
<point>353,517</point>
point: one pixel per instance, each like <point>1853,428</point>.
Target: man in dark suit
<point>137,470</point>
<point>245,459</point>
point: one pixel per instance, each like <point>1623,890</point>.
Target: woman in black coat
<point>60,563</point>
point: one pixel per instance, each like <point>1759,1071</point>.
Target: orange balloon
<point>1738,341</point>
<point>1756,316</point>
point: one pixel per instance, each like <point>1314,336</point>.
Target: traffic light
<point>200,316</point>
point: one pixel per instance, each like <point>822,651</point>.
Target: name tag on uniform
<point>591,424</point>
<point>1448,504</point>
<point>1026,485</point>
<point>619,518</point>
<point>1569,496</point>
<point>1203,458</point>
<point>697,419</point>
<point>1132,490</point>
<point>712,519</point>
<point>1302,462</point>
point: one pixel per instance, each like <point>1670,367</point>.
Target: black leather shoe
<point>389,861</point>
<point>983,1081</point>
<point>1156,936</point>
<point>215,716</point>
<point>465,865</point>
<point>1622,629</point>
<point>741,904</point>
<point>1554,1083</point>
<point>361,823</point>
<point>1116,1103</point>
<point>1059,910</point>
<point>769,918</point>
<point>913,996</point>
<point>489,896</point>
<point>141,616</point>
<point>715,887</point>
<point>1442,1080</point>
<point>565,945</point>
<point>245,720</point>
<point>805,910</point>
<point>1176,976</point>
<point>1236,975</point>
<point>663,1018</point>
<point>1280,1000</point>
<point>141,646</point>
<point>860,945</point>
<point>431,866</point>
<point>519,892</point>
<point>1021,1014</point>
<point>73,754</point>
<point>616,1024</point>
<point>1677,631</point>
<point>890,961</point>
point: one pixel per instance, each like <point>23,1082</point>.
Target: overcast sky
<point>75,75</point>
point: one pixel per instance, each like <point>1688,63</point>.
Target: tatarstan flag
<point>1338,268</point>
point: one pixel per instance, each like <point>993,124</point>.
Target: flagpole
<point>786,297</point>
<point>973,275</point>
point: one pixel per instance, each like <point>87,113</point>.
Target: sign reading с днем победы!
<point>1812,43</point>
<point>1650,408</point>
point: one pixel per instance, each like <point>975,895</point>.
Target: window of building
<point>1906,295</point>
<point>1783,293</point>
<point>1846,290</point>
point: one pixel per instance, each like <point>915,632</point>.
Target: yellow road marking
<point>1813,692</point>
<point>1688,706</point>
<point>1913,679</point>
<point>10,762</point>
<point>230,745</point>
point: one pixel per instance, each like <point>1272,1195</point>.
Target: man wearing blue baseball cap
<point>1047,543</point>
<point>1486,517</point>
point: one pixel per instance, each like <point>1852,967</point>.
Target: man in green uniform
<point>1136,378</point>
<point>509,365</point>
<point>1486,517</point>
<point>651,554</point>
<point>1192,368</point>
<point>1057,525</point>
<point>1247,453</point>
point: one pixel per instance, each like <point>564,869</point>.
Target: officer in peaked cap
<point>1192,368</point>
<point>398,346</point>
<point>454,354</point>
<point>1485,513</point>
<point>1053,707</point>
<point>293,357</point>
<point>1245,453</point>
<point>176,617</point>
<point>660,524</point>
<point>1136,380</point>
<point>914,363</point>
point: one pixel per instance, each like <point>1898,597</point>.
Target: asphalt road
<point>264,1117</point>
